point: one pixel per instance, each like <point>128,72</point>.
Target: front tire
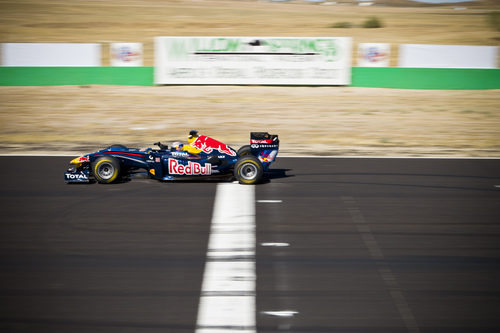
<point>248,170</point>
<point>106,169</point>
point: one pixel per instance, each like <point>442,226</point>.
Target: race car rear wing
<point>265,147</point>
<point>263,138</point>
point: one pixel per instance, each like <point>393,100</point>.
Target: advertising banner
<point>253,60</point>
<point>51,54</point>
<point>126,54</point>
<point>373,54</point>
<point>447,56</point>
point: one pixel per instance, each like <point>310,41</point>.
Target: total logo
<point>260,141</point>
<point>191,169</point>
<point>79,176</point>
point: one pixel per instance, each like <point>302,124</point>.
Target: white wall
<point>51,54</point>
<point>447,56</point>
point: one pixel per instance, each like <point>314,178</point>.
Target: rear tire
<point>118,146</point>
<point>106,169</point>
<point>248,170</point>
<point>245,150</point>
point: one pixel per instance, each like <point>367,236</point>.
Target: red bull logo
<point>268,157</point>
<point>191,169</point>
<point>208,145</point>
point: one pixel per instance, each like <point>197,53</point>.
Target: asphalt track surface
<point>367,245</point>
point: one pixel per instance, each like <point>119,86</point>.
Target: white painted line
<point>280,313</point>
<point>275,244</point>
<point>227,301</point>
<point>269,201</point>
<point>497,186</point>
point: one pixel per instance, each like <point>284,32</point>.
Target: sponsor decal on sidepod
<point>191,169</point>
<point>207,145</point>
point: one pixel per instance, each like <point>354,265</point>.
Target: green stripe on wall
<point>426,78</point>
<point>57,76</point>
<point>377,77</point>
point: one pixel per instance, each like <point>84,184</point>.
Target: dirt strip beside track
<point>317,120</point>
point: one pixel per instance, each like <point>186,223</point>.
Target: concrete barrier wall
<point>383,77</point>
<point>447,56</point>
<point>51,54</point>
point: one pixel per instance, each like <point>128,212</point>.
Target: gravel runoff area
<point>309,120</point>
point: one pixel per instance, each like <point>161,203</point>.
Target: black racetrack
<point>343,245</point>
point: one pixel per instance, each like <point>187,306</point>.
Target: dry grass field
<point>321,120</point>
<point>324,120</point>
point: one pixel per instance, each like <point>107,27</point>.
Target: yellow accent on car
<point>75,161</point>
<point>152,171</point>
<point>79,160</point>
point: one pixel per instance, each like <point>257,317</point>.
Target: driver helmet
<point>193,135</point>
<point>177,145</point>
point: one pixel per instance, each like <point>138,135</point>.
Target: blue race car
<point>215,158</point>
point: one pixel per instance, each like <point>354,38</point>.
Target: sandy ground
<point>309,120</point>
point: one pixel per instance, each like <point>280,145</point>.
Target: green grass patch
<point>372,22</point>
<point>494,20</point>
<point>342,25</point>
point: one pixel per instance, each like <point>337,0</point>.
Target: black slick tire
<point>106,169</point>
<point>244,150</point>
<point>118,146</point>
<point>248,170</point>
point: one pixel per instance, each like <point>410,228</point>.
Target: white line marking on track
<point>497,186</point>
<point>280,313</point>
<point>227,302</point>
<point>269,201</point>
<point>275,244</point>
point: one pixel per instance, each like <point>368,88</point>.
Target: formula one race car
<point>213,158</point>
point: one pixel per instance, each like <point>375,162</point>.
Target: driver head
<point>193,134</point>
<point>177,146</point>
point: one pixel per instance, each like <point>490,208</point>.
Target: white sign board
<point>253,60</point>
<point>373,54</point>
<point>126,54</point>
<point>51,54</point>
<point>447,56</point>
